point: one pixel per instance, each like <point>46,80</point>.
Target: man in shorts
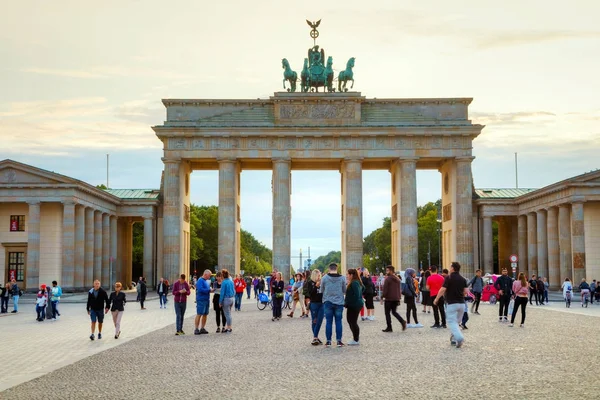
<point>202,302</point>
<point>97,306</point>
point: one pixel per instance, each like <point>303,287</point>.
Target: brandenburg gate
<point>342,131</point>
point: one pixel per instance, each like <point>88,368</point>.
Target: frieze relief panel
<point>317,111</point>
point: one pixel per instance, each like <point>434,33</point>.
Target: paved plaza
<point>552,358</point>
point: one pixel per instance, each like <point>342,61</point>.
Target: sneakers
<point>99,336</point>
<point>180,333</point>
<point>203,331</point>
<point>403,325</point>
<point>387,330</point>
<point>92,337</point>
<point>219,329</point>
<point>196,331</point>
<point>340,344</point>
<point>436,326</point>
<point>460,343</point>
<point>444,326</point>
<point>505,319</point>
<point>328,344</point>
<point>371,318</point>
<point>410,326</point>
<point>522,326</point>
<point>315,342</point>
<point>418,325</point>
<point>362,318</point>
<point>352,343</point>
<point>511,325</point>
<point>476,313</point>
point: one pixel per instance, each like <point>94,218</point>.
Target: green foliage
<point>377,247</point>
<point>322,262</point>
<point>256,257</point>
<point>102,186</point>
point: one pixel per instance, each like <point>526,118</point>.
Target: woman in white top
<point>567,289</point>
<point>520,289</point>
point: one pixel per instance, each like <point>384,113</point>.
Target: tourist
<point>216,289</point>
<point>261,285</point>
<point>56,292</point>
<point>202,303</point>
<point>269,282</point>
<point>380,282</point>
<point>276,288</point>
<point>567,289</point>
<point>546,287</point>
<point>353,303</point>
<point>255,286</point>
<point>368,294</point>
<point>434,283</point>
<point>410,296</point>
<point>597,293</point>
<point>333,287</point>
<point>4,295</point>
<point>540,290</point>
<point>116,304</point>
<point>138,289</point>
<point>297,296</point>
<point>455,291</point>
<point>248,281</point>
<point>592,290</point>
<point>533,290</point>
<point>476,285</point>
<point>15,292</point>
<point>239,285</point>
<point>425,293</point>
<point>585,290</point>
<point>316,305</point>
<point>520,288</point>
<point>143,292</point>
<point>504,287</point>
<point>40,303</point>
<point>390,297</point>
<point>305,293</point>
<point>97,306</point>
<point>162,289</point>
<point>181,290</point>
<point>227,299</point>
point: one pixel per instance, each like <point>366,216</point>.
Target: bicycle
<point>585,297</point>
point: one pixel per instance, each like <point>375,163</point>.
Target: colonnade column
<point>68,253</point>
<point>113,250</point>
<point>172,219</point>
<point>464,213</point>
<point>79,274</point>
<point>281,185</point>
<point>229,238</point>
<point>89,248</point>
<point>578,242</point>
<point>127,257</point>
<point>33,246</point>
<point>106,282</point>
<point>504,244</point>
<point>542,244</point>
<point>553,249</point>
<point>409,237</point>
<point>97,246</point>
<point>532,252</point>
<point>522,232</point>
<point>149,250</point>
<point>488,246</point>
<point>564,242</point>
<point>352,221</point>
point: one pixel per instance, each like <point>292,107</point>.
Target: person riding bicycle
<point>567,289</point>
<point>585,290</point>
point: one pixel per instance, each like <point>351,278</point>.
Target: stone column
<point>578,242</point>
<point>89,248</point>
<point>464,213</point>
<point>126,270</point>
<point>33,246</point>
<point>522,228</point>
<point>79,283</point>
<point>564,242</point>
<point>532,253</point>
<point>172,217</point>
<point>282,215</point>
<point>352,222</point>
<point>542,244</point>
<point>97,246</point>
<point>488,246</point>
<point>504,244</point>
<point>228,195</point>
<point>106,283</point>
<point>553,249</point>
<point>409,237</point>
<point>113,250</point>
<point>148,251</point>
<point>68,253</point>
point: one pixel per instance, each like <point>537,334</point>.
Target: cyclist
<point>567,288</point>
<point>585,291</point>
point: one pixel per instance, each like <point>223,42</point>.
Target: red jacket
<point>239,285</point>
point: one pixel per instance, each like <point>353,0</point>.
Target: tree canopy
<point>322,262</point>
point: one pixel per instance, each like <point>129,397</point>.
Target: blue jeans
<point>248,290</point>
<point>316,312</point>
<point>41,312</point>
<point>54,308</point>
<point>238,300</point>
<point>332,310</point>
<point>16,303</point>
<point>454,313</point>
<point>227,303</point>
<point>162,298</point>
<point>180,312</point>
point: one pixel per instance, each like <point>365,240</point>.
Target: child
<point>40,303</point>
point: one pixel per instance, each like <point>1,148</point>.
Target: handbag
<point>279,295</point>
<point>296,296</point>
<point>511,306</point>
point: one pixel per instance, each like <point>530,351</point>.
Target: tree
<point>377,247</point>
<point>102,186</point>
<point>322,262</point>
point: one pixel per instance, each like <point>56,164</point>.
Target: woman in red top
<point>239,284</point>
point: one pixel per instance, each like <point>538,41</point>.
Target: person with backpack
<point>333,288</point>
<point>434,283</point>
<point>476,285</point>
<point>55,299</point>
<point>567,289</point>
<point>410,295</point>
<point>239,284</point>
<point>368,294</point>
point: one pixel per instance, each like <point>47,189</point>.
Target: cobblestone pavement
<point>264,359</point>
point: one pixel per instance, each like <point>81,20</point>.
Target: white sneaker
<point>353,343</point>
<point>371,318</point>
<point>419,325</point>
<point>410,326</point>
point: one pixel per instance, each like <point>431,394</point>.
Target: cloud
<point>107,71</point>
<point>511,118</point>
<point>491,40</point>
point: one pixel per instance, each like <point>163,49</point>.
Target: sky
<point>79,80</point>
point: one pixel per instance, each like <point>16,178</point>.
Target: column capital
<point>227,160</point>
<point>564,205</point>
<point>172,160</point>
<point>408,160</point>
<point>148,218</point>
<point>464,159</point>
<point>33,202</point>
<point>68,202</point>
<point>285,160</point>
<point>577,200</point>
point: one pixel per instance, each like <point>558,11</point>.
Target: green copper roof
<point>502,193</point>
<point>139,194</point>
